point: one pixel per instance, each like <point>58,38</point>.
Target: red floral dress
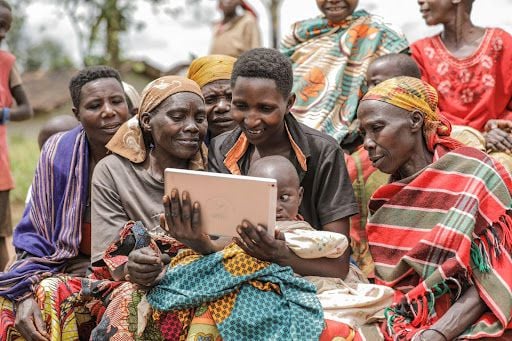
<point>474,89</point>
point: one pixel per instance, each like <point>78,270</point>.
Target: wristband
<point>6,114</point>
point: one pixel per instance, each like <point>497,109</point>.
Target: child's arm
<point>23,111</point>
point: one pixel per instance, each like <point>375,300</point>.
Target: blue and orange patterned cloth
<point>247,298</point>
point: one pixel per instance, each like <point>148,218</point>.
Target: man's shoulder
<point>318,139</point>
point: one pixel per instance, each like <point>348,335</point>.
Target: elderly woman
<point>439,232</point>
<point>212,73</point>
<point>330,56</point>
<point>128,186</point>
<point>54,234</point>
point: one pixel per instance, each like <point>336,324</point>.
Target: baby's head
<point>390,66</point>
<point>289,191</point>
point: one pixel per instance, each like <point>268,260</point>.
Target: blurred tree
<point>274,10</point>
<point>99,25</point>
<point>46,53</point>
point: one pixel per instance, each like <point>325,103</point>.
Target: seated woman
<point>439,232</point>
<point>366,178</point>
<point>53,237</point>
<point>128,186</point>
<point>330,55</point>
<point>261,83</point>
<point>470,68</point>
<point>212,73</point>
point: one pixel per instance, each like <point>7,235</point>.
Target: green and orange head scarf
<point>412,94</point>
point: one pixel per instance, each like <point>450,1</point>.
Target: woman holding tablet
<point>128,186</point>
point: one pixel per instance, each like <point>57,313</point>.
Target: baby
<point>353,300</point>
<point>390,66</point>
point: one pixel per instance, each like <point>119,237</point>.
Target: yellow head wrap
<point>411,94</point>
<point>128,141</point>
<point>210,68</point>
<point>407,93</point>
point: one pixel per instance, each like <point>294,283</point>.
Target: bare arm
<point>462,314</point>
<point>256,242</point>
<point>23,111</point>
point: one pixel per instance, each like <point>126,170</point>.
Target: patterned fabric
<point>49,232</point>
<point>62,309</point>
<point>241,293</point>
<point>474,89</point>
<point>7,61</point>
<point>410,94</point>
<point>115,304</point>
<point>365,180</point>
<point>439,230</point>
<point>330,64</point>
<point>122,311</point>
<point>128,140</point>
<point>211,68</point>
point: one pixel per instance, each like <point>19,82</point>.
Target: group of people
<point>394,200</point>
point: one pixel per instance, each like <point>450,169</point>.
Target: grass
<point>23,153</point>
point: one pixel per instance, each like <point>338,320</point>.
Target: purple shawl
<point>49,232</point>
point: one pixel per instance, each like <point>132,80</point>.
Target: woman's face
<point>102,109</point>
<point>217,98</point>
<point>436,12</point>
<point>259,108</point>
<point>389,135</point>
<point>177,125</point>
<point>228,7</point>
<point>337,10</point>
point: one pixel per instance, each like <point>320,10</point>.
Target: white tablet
<point>227,199</point>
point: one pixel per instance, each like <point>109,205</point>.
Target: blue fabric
<point>49,232</point>
<point>292,313</point>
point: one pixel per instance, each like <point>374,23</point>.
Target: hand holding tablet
<point>221,202</point>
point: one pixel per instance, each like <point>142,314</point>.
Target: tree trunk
<point>113,21</point>
<point>275,21</point>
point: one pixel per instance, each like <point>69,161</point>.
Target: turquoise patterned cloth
<point>257,300</point>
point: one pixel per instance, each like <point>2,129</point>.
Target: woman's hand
<point>29,321</point>
<point>255,241</point>
<point>498,137</point>
<point>183,222</point>
<point>144,267</point>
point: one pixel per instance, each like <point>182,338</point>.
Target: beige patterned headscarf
<point>128,141</point>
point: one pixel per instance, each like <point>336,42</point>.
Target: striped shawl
<point>49,232</point>
<point>440,230</point>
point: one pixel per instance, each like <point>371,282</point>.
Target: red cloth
<point>471,90</point>
<point>6,63</point>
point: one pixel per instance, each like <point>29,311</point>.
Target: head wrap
<point>132,94</point>
<point>128,141</point>
<point>210,68</point>
<point>248,8</point>
<point>412,94</point>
